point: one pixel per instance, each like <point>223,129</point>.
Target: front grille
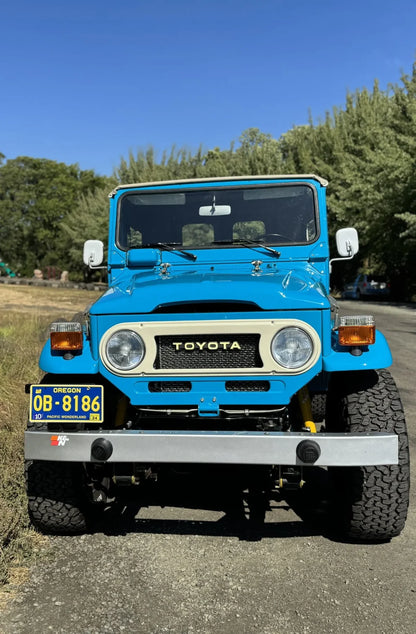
<point>207,351</point>
<point>170,386</point>
<point>247,386</point>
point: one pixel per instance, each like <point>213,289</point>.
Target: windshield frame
<point>214,187</point>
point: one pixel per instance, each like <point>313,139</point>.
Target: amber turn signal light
<point>357,331</point>
<point>66,336</point>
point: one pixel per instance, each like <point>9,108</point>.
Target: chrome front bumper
<point>216,447</point>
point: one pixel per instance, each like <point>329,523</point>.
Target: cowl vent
<point>206,307</point>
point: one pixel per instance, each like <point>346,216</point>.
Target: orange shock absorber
<point>306,409</point>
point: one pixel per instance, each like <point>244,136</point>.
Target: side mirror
<point>93,253</point>
<point>347,242</point>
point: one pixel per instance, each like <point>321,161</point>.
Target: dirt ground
<point>45,301</point>
<point>185,568</point>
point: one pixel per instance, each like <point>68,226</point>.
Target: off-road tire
<point>369,503</point>
<point>318,404</point>
<point>56,499</point>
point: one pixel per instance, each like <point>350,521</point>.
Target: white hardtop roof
<point>213,179</point>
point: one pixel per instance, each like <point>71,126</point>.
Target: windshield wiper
<point>251,244</point>
<point>171,246</point>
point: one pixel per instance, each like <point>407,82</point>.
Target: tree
<point>87,220</point>
<point>36,197</point>
<point>145,167</point>
<point>367,152</point>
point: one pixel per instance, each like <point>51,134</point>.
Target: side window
<point>310,230</point>
<point>197,235</point>
<point>248,230</point>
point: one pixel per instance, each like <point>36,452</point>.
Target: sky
<point>88,81</point>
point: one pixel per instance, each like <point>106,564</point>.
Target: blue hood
<point>287,288</point>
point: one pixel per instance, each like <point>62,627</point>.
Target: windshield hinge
<point>256,264</point>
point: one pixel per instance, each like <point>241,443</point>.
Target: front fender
<point>374,357</point>
<point>81,363</point>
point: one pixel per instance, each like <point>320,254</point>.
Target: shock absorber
<point>304,400</point>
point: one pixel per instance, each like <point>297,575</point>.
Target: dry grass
<point>41,300</point>
<point>25,314</point>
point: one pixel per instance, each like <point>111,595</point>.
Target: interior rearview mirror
<point>215,210</point>
<point>93,253</point>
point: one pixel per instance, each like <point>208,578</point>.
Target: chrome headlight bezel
<point>280,345</point>
<point>128,338</point>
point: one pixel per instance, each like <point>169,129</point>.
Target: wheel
<point>55,497</point>
<point>370,503</point>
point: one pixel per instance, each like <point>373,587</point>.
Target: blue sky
<point>88,80</point>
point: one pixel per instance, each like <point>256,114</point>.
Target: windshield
<point>216,217</point>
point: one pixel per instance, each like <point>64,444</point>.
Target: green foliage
<point>88,219</point>
<point>257,153</point>
<point>174,165</point>
<point>367,151</point>
<point>36,197</point>
<point>197,234</point>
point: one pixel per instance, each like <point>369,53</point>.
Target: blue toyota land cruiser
<point>218,343</point>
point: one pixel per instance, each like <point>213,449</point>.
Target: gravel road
<point>187,567</point>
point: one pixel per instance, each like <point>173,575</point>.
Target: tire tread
<point>374,500</point>
<point>55,499</point>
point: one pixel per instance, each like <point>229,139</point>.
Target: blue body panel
<point>373,357</point>
<point>294,285</point>
<point>316,253</point>
<point>81,363</point>
<point>278,286</point>
<point>213,388</point>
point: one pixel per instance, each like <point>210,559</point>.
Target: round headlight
<point>125,349</point>
<point>292,348</point>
